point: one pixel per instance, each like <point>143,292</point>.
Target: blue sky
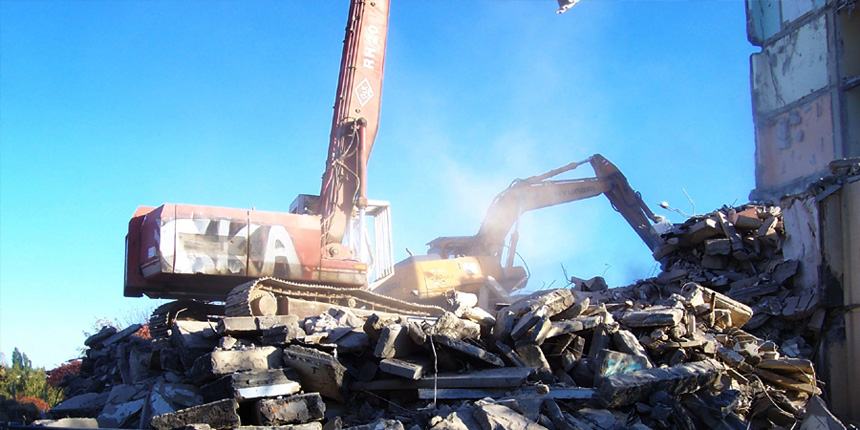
<point>109,105</point>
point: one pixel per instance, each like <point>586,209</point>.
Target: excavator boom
<point>356,116</point>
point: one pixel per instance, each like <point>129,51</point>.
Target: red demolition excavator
<point>267,263</point>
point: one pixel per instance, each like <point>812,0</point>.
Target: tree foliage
<point>21,380</point>
<point>57,375</point>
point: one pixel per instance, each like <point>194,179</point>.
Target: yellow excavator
<point>474,264</point>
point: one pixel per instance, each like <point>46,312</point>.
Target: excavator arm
<point>355,120</point>
<point>538,192</point>
<point>474,263</point>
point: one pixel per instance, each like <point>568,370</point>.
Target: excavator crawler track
<point>162,318</point>
<point>265,295</point>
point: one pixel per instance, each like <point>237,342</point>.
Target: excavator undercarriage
<point>271,296</point>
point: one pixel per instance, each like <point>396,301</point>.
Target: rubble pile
<point>737,252</point>
<point>720,340</point>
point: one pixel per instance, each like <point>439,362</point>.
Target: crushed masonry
<point>721,338</point>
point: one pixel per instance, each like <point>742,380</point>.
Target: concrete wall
<point>805,108</point>
<point>805,87</point>
<point>839,352</point>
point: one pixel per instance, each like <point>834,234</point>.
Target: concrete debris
<point>299,409</point>
<point>722,338</point>
<point>222,414</point>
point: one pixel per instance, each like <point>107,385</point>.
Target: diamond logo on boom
<point>364,92</point>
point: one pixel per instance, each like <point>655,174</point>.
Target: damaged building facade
<point>806,107</point>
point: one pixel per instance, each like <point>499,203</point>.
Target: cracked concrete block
<point>218,415</point>
<point>244,326</point>
<point>612,362</point>
<point>627,388</point>
<point>379,424</point>
<point>476,353</point>
<point>82,406</point>
<point>498,417</point>
<point>411,369</point>
<point>282,335</point>
<point>217,363</point>
<point>117,337</point>
<point>123,404</point>
<point>166,397</point>
<point>534,357</point>
<point>627,342</point>
<point>315,425</point>
<point>527,321</point>
<point>655,316</point>
<point>253,385</point>
<point>458,328</point>
<point>290,410</point>
<point>555,302</point>
<point>95,341</point>
<point>454,421</point>
<point>318,371</point>
<point>394,341</point>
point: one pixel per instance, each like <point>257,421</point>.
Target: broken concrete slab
<point>740,313</point>
<point>497,417</point>
<point>787,382</point>
<point>580,304</point>
<point>627,342</point>
<point>394,341</point>
<point>470,351</point>
<point>700,231</point>
<point>218,415</point>
<point>282,335</point>
<point>123,334</point>
<point>82,406</point>
<point>655,316</point>
<point>555,302</point>
<point>253,325</point>
<point>95,341</point>
<point>818,417</point>
<point>505,320</point>
<point>458,328</point>
<point>253,385</point>
<point>490,378</point>
<point>533,356</point>
<point>480,316</point>
<point>511,355</point>
<point>499,393</point>
<point>297,409</point>
<point>527,321</point>
<point>413,368</point>
<point>123,404</point>
<point>456,420</point>
<point>166,397</point>
<point>574,325</point>
<point>315,425</point>
<point>612,362</point>
<point>628,388</point>
<point>194,335</point>
<point>218,363</point>
<point>318,371</point>
<point>379,424</point>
